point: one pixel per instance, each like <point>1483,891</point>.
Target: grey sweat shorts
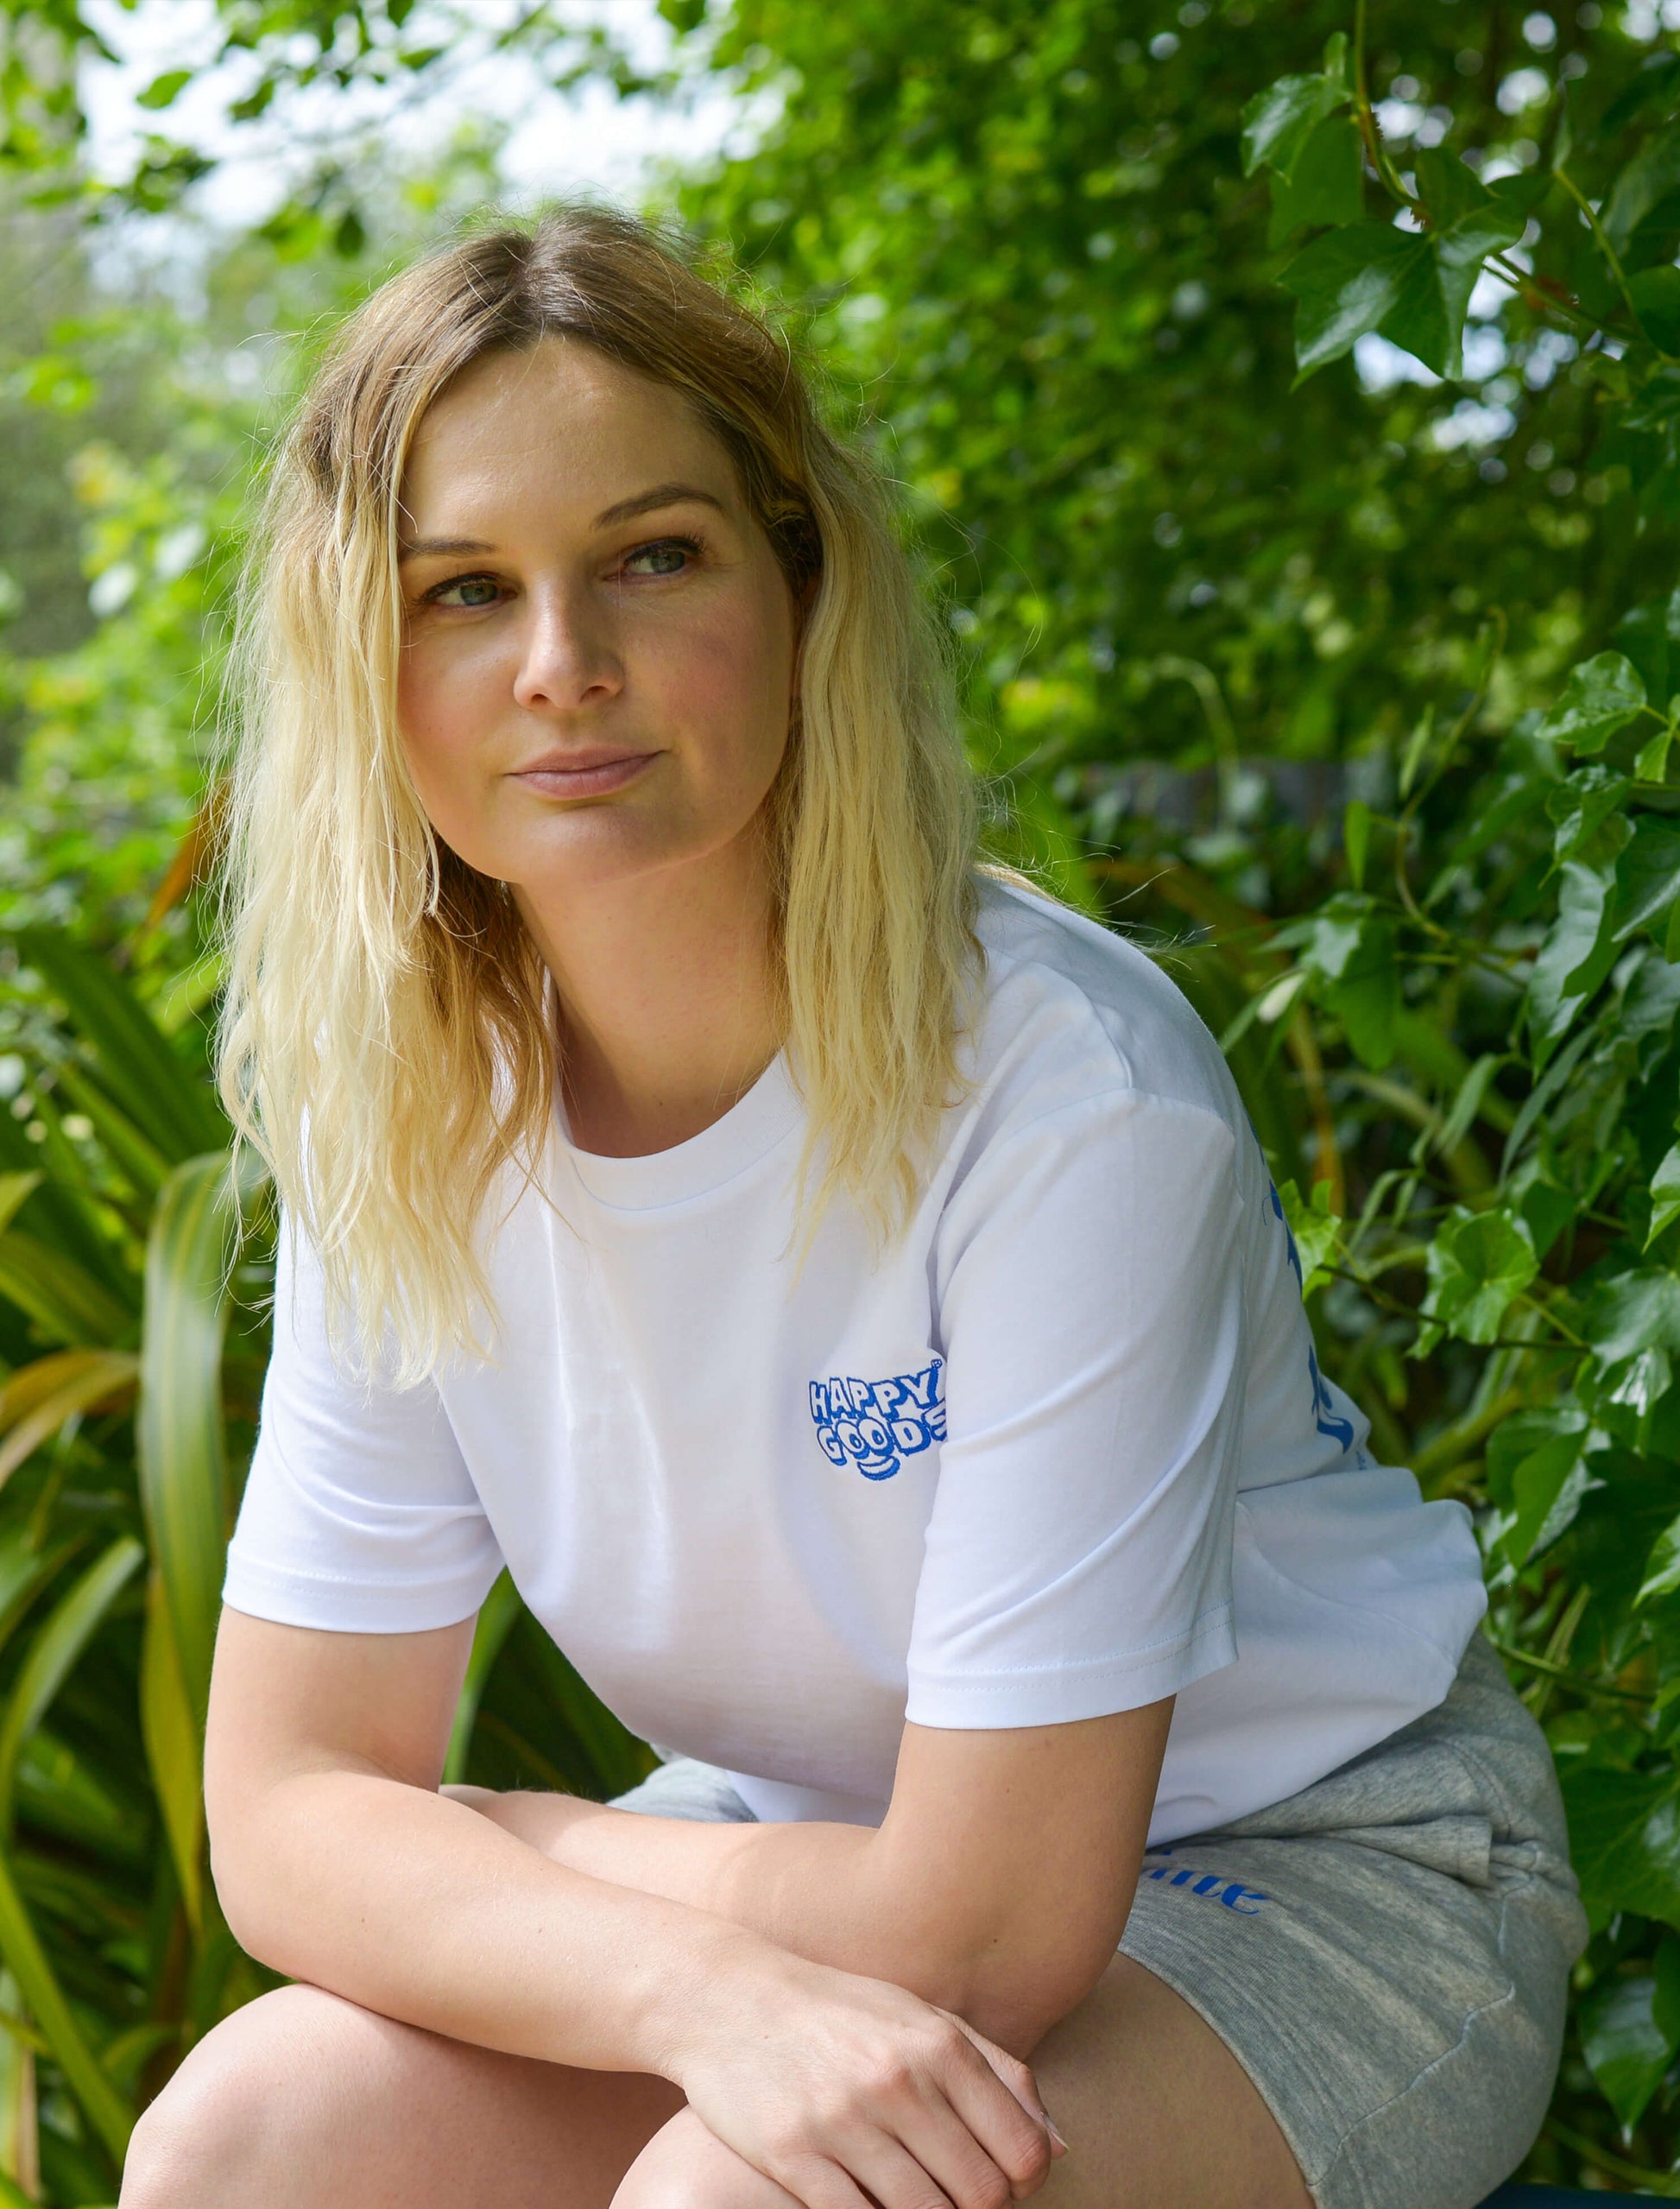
<point>1387,1953</point>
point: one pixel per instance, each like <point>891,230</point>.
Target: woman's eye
<point>470,591</point>
<point>669,557</point>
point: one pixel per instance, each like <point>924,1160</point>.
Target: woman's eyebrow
<point>661,495</point>
<point>437,547</point>
<point>645,502</point>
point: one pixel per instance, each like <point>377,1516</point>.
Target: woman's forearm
<point>405,1901</point>
<point>826,1892</point>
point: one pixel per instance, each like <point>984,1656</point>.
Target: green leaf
<point>1277,122</point>
<point>1448,188</point>
<point>178,1429</point>
<point>501,1608</point>
<point>1466,1105</point>
<point>163,90</point>
<point>1602,695</point>
<point>1428,314</point>
<point>172,1109</point>
<point>26,1959</point>
<point>1665,2006</point>
<point>1327,184</point>
<point>24,1571</point>
<point>1626,2049</point>
<point>1662,1570</point>
<point>1578,951</point>
<point>1582,806</point>
<point>1639,1384</point>
<point>1633,1311</point>
<point>1347,283</point>
<point>1624,1841</point>
<point>1647,875</point>
<point>1351,952</point>
<point>64,1301</point>
<point>1368,997</point>
<point>14,1189</point>
<point>1664,1195</point>
<point>1411,287</point>
<point>1654,83</point>
<point>1315,1229</point>
<point>1651,765</point>
<point>1535,1474</point>
<point>53,1213</point>
<point>170,1732</point>
<point>256,102</point>
<point>1656,296</point>
<point>1539,1098</point>
<point>71,1380</point>
<point>141,1161</point>
<point>1478,1265</point>
<point>68,1629</point>
<point>1416,746</point>
<point>1650,635</point>
<point>59,1792</point>
<point>1649,178</point>
<point>1356,840</point>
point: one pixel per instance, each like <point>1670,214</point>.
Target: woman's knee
<point>235,2115</point>
<point>685,2166</point>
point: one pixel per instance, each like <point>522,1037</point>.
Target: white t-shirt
<point>1063,1450</point>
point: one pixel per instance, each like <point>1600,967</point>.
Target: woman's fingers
<point>1016,2075</point>
<point>951,2163</point>
<point>900,2178</point>
<point>819,2184</point>
<point>995,2099</point>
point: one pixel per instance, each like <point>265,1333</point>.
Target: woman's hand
<point>841,2089</point>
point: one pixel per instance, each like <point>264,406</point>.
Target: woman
<point>845,1291</point>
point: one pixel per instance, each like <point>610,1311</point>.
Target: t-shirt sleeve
<point>1090,1288</point>
<point>359,1514</point>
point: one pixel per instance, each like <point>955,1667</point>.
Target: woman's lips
<point>591,776</point>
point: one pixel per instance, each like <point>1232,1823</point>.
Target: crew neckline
<point>748,1131</point>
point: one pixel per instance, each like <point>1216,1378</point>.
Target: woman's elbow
<point>245,1896</point>
<point>1016,1994</point>
<point>248,1868</point>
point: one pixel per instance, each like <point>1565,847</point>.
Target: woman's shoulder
<point>1074,1012</point>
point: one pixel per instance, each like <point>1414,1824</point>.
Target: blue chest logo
<point>875,1425</point>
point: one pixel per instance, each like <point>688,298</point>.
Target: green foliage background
<point>1286,405</point>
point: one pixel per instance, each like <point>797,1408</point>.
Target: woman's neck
<point>668,1007</point>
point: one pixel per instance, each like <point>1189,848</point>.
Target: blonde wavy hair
<point>385,1039</point>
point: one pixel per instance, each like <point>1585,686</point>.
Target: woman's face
<point>599,648</point>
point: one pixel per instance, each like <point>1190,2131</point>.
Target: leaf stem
<point>1649,2181</point>
<point>1565,1677</point>
<point>1609,253</point>
<point>1365,117</point>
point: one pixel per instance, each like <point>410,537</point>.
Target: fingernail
<point>1051,2128</point>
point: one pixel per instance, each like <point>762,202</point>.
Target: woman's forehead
<point>562,412</point>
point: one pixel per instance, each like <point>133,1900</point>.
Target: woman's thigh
<point>302,2100</point>
<point>1158,2113</point>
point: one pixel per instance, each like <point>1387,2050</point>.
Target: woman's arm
<point>338,1861</point>
<point>997,1886</point>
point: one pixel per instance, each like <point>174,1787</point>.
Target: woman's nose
<point>568,654</point>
